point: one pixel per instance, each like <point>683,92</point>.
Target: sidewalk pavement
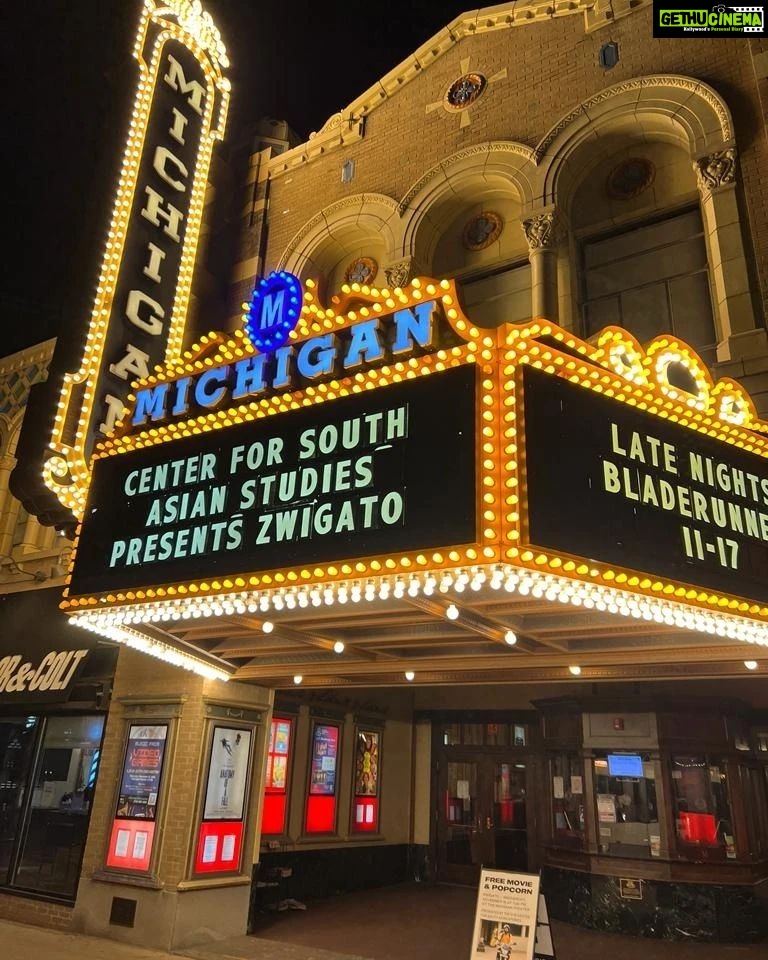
<point>22,942</point>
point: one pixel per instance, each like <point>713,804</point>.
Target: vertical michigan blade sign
<point>143,291</point>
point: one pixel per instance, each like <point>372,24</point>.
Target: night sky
<point>70,80</point>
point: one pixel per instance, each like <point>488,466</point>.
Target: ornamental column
<point>540,233</point>
<point>738,337</point>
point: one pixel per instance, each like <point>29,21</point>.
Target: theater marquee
<point>389,445</point>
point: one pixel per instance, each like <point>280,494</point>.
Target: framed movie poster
<point>320,814</point>
<point>277,755</point>
<point>365,804</point>
<point>133,828</point>
<point>274,808</point>
<point>367,763</point>
<point>142,769</point>
<point>325,745</point>
<point>227,774</point>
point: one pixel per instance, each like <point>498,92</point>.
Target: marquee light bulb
<point>338,647</point>
<point>409,675</point>
<point>267,626</point>
<point>575,670</point>
<point>510,637</point>
<point>297,679</point>
<point>452,612</point>
<point>751,664</point>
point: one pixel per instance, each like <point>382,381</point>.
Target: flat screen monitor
<point>55,765</point>
<point>625,765</point>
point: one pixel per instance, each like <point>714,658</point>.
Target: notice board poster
<point>505,917</point>
<point>227,774</point>
<point>142,769</point>
<point>325,744</point>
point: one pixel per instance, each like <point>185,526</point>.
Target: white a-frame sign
<point>505,916</point>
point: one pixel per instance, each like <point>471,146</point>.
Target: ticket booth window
<point>365,805</point>
<point>702,804</point>
<point>627,813</point>
<point>320,816</point>
<point>276,782</point>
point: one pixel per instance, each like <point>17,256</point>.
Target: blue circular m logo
<point>273,311</point>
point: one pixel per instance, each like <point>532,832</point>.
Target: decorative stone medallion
<point>483,230</point>
<point>630,178</point>
<point>464,91</point>
<point>362,270</point>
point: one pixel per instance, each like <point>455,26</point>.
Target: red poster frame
<point>320,808</point>
<point>131,838</point>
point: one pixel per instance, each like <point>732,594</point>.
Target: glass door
<point>509,819</point>
<point>462,843</point>
<point>482,817</point>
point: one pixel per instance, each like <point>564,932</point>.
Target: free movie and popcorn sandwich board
<point>506,918</point>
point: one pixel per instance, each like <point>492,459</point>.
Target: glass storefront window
<point>701,803</point>
<point>49,810</point>
<point>627,815</point>
<point>567,785</point>
<point>17,750</point>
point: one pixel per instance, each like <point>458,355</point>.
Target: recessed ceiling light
<point>510,637</point>
<point>297,679</point>
<point>452,611</point>
<point>751,664</point>
<point>575,670</point>
<point>338,647</point>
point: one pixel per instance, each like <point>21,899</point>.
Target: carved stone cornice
<point>716,170</point>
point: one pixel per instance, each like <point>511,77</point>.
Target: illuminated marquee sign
<point>381,472</point>
<point>292,366</point>
<point>141,302</point>
<point>392,446</point>
<point>667,488</point>
<point>643,492</point>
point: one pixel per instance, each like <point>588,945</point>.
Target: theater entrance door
<point>482,815</point>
